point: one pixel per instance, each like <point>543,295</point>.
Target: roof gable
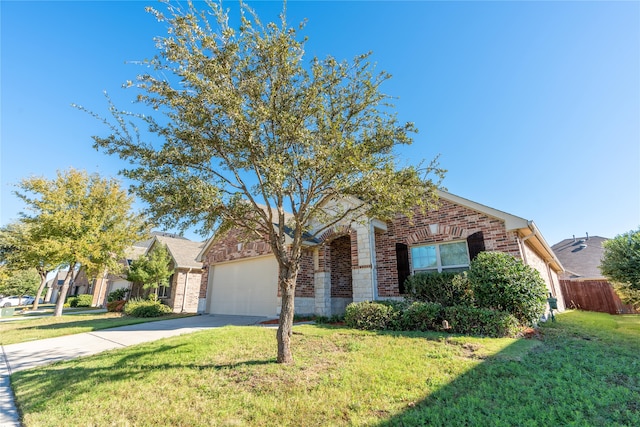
<point>184,252</point>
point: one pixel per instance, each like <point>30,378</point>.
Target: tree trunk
<point>43,283</point>
<point>62,294</point>
<point>285,327</point>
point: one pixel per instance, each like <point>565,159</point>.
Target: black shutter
<point>402,259</point>
<point>476,244</point>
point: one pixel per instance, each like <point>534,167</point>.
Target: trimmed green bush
<point>421,316</point>
<point>480,321</point>
<point>502,282</point>
<point>145,308</point>
<point>83,300</point>
<point>117,295</point>
<point>442,288</point>
<point>368,315</point>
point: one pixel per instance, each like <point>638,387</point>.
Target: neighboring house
<point>583,285</point>
<point>185,280</point>
<point>110,282</point>
<point>79,284</point>
<point>183,292</point>
<point>369,259</point>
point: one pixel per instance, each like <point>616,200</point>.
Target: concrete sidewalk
<point>17,357</point>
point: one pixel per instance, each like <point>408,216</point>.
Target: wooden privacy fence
<point>593,295</point>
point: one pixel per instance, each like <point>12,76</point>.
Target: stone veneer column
<point>322,281</point>
<point>362,273</point>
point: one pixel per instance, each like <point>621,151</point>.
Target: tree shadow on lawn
<point>39,384</point>
<point>566,380</point>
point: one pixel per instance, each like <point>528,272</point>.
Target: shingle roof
<point>183,251</point>
<point>581,256</point>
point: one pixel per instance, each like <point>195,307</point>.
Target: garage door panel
<point>247,287</point>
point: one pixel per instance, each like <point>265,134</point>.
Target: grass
<point>26,329</point>
<point>583,371</point>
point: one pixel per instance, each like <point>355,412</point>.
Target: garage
<point>245,287</point>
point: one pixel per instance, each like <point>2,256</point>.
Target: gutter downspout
<point>533,233</point>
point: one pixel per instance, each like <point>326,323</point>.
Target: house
<point>181,295</point>
<point>79,284</point>
<point>183,292</point>
<point>582,283</point>
<point>110,282</point>
<point>369,259</point>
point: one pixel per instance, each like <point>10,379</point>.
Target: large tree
<point>85,219</point>
<point>20,283</point>
<point>243,129</point>
<point>22,247</point>
<point>621,265</point>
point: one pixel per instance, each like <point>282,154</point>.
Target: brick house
<point>184,285</point>
<point>369,260</point>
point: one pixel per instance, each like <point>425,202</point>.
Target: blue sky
<point>534,107</point>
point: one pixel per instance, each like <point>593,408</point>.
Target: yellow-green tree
<point>21,247</point>
<point>244,121</point>
<point>84,219</point>
<point>152,270</point>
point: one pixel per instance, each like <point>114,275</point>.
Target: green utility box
<point>7,311</point>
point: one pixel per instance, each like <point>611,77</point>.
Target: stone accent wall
<point>189,300</point>
<point>450,222</point>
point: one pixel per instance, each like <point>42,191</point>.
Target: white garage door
<point>247,287</point>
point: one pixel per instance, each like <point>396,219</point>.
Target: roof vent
<point>583,245</point>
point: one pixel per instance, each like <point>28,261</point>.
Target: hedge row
<point>495,280</point>
<point>428,316</point>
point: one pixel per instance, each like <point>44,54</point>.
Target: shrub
<point>368,315</point>
<point>480,321</point>
<point>117,295</point>
<point>502,282</point>
<point>145,308</point>
<point>442,288</point>
<point>83,300</point>
<point>116,306</point>
<point>421,316</point>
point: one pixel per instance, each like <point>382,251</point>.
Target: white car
<point>16,301</point>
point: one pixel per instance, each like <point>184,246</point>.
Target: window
<point>452,257</point>
<point>165,291</point>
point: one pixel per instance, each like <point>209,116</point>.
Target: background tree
<point>621,265</point>
<point>22,248</point>
<point>20,283</point>
<point>243,123</point>
<point>152,270</point>
<point>85,219</point>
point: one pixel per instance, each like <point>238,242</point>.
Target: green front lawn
<point>26,329</point>
<point>584,370</point>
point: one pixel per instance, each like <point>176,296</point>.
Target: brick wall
<point>231,246</point>
<point>341,277</point>
<point>234,247</point>
<point>450,222</point>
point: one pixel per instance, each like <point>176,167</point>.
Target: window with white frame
<point>450,256</point>
<point>165,291</point>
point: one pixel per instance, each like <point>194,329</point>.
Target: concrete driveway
<point>17,357</point>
